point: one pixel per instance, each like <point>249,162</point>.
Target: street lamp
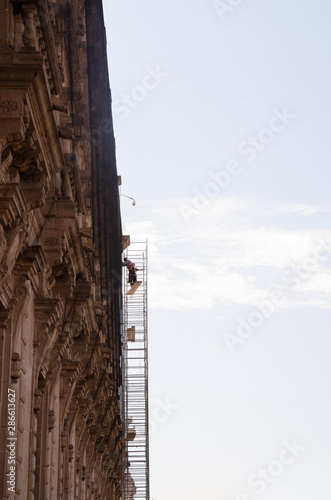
<point>133,200</point>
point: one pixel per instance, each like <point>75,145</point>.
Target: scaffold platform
<point>135,464</point>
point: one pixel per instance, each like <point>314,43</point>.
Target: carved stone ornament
<point>37,401</point>
<point>29,35</point>
<point>63,441</point>
<point>71,452</point>
<point>51,420</point>
<point>29,167</point>
<point>52,12</point>
<point>16,367</point>
<point>51,241</point>
<point>23,160</point>
<point>8,106</point>
<point>26,115</point>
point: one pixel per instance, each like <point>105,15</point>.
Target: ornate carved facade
<point>60,249</point>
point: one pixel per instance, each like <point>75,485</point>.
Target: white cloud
<point>301,209</point>
<point>225,257</point>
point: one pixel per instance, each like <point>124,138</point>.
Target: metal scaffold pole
<point>135,464</point>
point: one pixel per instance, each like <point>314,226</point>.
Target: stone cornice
<point>31,262</point>
<point>12,203</point>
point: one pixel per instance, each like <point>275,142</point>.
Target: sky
<point>222,126</point>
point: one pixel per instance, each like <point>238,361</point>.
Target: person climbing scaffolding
<point>132,270</point>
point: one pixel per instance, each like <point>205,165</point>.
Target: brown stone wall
<point>60,248</point>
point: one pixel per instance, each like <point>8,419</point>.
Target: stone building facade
<point>60,256</point>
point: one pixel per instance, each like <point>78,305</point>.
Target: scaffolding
<point>135,465</point>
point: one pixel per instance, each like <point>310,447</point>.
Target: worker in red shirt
<point>132,270</point>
